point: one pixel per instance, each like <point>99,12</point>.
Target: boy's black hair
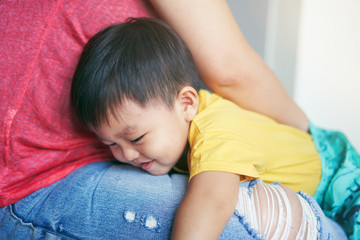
<point>141,60</point>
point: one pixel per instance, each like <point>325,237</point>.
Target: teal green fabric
<point>338,192</point>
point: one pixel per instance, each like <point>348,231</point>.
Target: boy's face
<point>151,137</point>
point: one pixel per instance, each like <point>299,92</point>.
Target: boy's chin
<point>158,172</point>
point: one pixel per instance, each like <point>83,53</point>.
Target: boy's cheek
<point>116,155</point>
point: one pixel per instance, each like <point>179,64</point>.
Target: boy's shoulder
<point>217,115</point>
<point>215,108</point>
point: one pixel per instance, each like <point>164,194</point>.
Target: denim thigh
<point>104,200</point>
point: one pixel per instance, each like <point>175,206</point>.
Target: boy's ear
<point>189,102</point>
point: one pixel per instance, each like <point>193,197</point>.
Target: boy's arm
<point>207,206</point>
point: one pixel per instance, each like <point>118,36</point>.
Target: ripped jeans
<point>273,211</point>
<point>109,200</point>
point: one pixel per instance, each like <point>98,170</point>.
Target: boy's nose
<point>130,154</point>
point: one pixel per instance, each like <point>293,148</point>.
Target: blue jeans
<point>108,200</point>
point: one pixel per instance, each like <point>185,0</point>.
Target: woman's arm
<point>208,205</point>
<point>226,62</point>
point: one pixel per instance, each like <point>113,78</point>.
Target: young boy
<point>137,88</point>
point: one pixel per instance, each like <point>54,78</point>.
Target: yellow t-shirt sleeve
<point>226,152</point>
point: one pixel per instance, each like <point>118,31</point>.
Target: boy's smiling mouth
<point>147,165</point>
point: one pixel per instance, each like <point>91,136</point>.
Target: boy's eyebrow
<point>128,129</point>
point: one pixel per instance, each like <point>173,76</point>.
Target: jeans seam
<point>33,226</point>
<point>251,231</point>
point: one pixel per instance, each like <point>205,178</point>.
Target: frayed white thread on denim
<point>257,204</point>
<point>307,198</point>
<point>150,223</point>
<point>283,224</point>
<point>129,216</point>
<point>309,222</point>
<point>248,206</point>
<point>270,209</point>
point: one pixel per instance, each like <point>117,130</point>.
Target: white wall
<point>327,76</point>
<point>271,29</point>
<point>281,40</point>
<point>251,16</point>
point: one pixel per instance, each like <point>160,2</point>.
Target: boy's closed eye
<point>137,140</point>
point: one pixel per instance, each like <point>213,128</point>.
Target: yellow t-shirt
<point>225,137</point>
